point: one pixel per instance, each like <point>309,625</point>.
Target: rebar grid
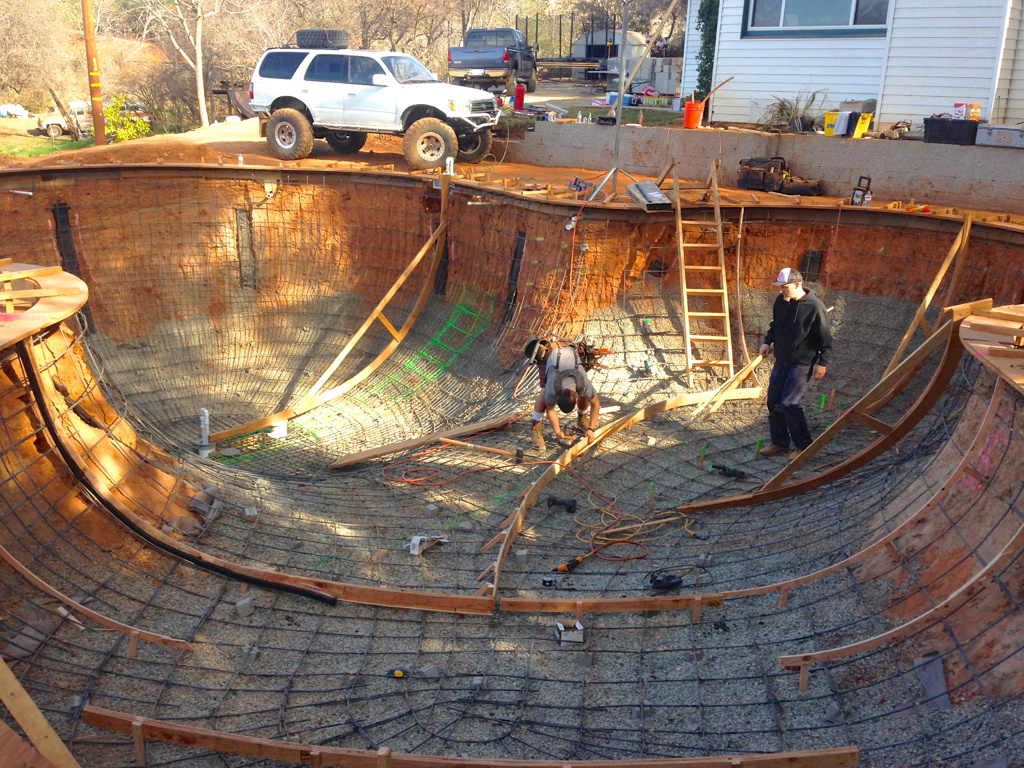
<point>654,686</point>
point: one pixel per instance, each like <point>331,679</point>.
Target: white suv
<point>300,94</point>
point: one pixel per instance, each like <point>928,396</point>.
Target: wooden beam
<point>292,752</point>
<point>31,720</point>
<point>418,442</point>
<point>33,273</point>
<point>38,293</point>
<point>876,425</point>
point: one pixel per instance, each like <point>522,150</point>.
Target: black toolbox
<point>946,130</point>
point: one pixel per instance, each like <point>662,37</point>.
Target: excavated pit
<point>234,290</point>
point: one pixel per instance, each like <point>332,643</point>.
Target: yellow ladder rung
<point>714,268</point>
<point>708,314</point>
<point>705,290</point>
<point>709,338</point>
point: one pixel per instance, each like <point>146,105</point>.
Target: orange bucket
<point>693,112</point>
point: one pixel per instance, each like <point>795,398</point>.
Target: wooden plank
<point>611,604</point>
<point>149,637</point>
<point>876,425</point>
<point>31,720</point>
<point>38,293</point>
<point>292,752</point>
<point>1004,331</point>
<point>17,752</point>
<point>48,310</point>
<point>32,273</point>
<point>1014,314</point>
<point>418,442</point>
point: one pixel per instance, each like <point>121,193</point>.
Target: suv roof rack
<point>322,38</point>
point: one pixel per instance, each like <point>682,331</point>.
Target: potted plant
<point>797,113</point>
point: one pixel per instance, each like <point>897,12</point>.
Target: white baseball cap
<point>788,276</point>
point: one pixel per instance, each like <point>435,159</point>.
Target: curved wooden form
<point>931,395</point>
<point>939,611</point>
<point>142,728</point>
<point>32,721</point>
<point>963,467</point>
<point>64,294</point>
<point>99,618</point>
<point>319,589</point>
<point>317,397</point>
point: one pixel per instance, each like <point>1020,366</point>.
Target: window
<point>362,69</point>
<point>328,68</point>
<point>490,38</point>
<point>406,69</point>
<point>816,17</point>
<point>281,65</point>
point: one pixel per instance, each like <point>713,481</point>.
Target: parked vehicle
<point>53,123</point>
<point>302,94</point>
<point>493,59</point>
<point>13,110</point>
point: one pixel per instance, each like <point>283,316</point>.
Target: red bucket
<point>693,112</point>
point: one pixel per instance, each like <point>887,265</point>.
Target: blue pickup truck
<point>493,59</point>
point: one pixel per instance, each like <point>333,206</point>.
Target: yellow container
<point>830,123</point>
<point>863,123</point>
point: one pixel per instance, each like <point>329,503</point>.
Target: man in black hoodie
<point>802,340</point>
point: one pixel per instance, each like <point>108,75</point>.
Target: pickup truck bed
<point>493,59</point>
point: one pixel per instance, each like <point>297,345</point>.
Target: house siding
<point>941,52</point>
<point>840,68</point>
<point>1012,73</point>
<point>935,53</point>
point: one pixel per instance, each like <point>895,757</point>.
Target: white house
<point>916,57</point>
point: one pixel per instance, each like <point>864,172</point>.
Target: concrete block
<point>167,528</point>
<point>185,524</point>
<point>244,606</point>
<point>432,510</point>
<point>251,513</point>
<point>249,654</point>
<point>651,441</point>
<point>429,671</point>
<point>521,555</point>
<point>481,682</point>
<point>465,525</point>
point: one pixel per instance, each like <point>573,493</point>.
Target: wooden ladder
<point>707,260</point>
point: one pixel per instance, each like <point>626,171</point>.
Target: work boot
<point>537,435</point>
<point>772,449</point>
<point>581,422</point>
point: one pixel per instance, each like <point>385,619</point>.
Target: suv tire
<point>289,135</point>
<point>54,131</point>
<point>510,83</point>
<point>473,147</point>
<point>428,143</point>
<point>346,143</point>
<point>531,84</point>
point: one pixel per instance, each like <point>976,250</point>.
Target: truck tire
<point>289,135</point>
<point>473,147</point>
<point>428,143</point>
<point>510,83</point>
<point>346,143</point>
<point>531,84</point>
<point>54,131</point>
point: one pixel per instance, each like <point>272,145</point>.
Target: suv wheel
<point>346,143</point>
<point>531,84</point>
<point>510,83</point>
<point>54,131</point>
<point>428,143</point>
<point>474,146</point>
<point>289,135</point>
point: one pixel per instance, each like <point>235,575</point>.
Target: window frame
<point>850,30</point>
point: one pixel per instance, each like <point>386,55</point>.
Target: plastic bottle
<point>867,198</point>
<point>590,117</point>
<point>579,117</point>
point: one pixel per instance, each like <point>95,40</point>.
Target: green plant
<point>797,113</point>
<point>120,123</point>
<point>707,25</point>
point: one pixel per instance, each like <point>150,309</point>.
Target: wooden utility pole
<point>96,96</point>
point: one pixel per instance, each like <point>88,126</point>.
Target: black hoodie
<point>800,331</point>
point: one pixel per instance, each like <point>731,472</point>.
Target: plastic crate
<point>945,130</point>
<point>1001,136</point>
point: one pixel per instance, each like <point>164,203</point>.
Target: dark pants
<point>785,416</point>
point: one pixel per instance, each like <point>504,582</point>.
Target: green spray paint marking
<point>757,451</point>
